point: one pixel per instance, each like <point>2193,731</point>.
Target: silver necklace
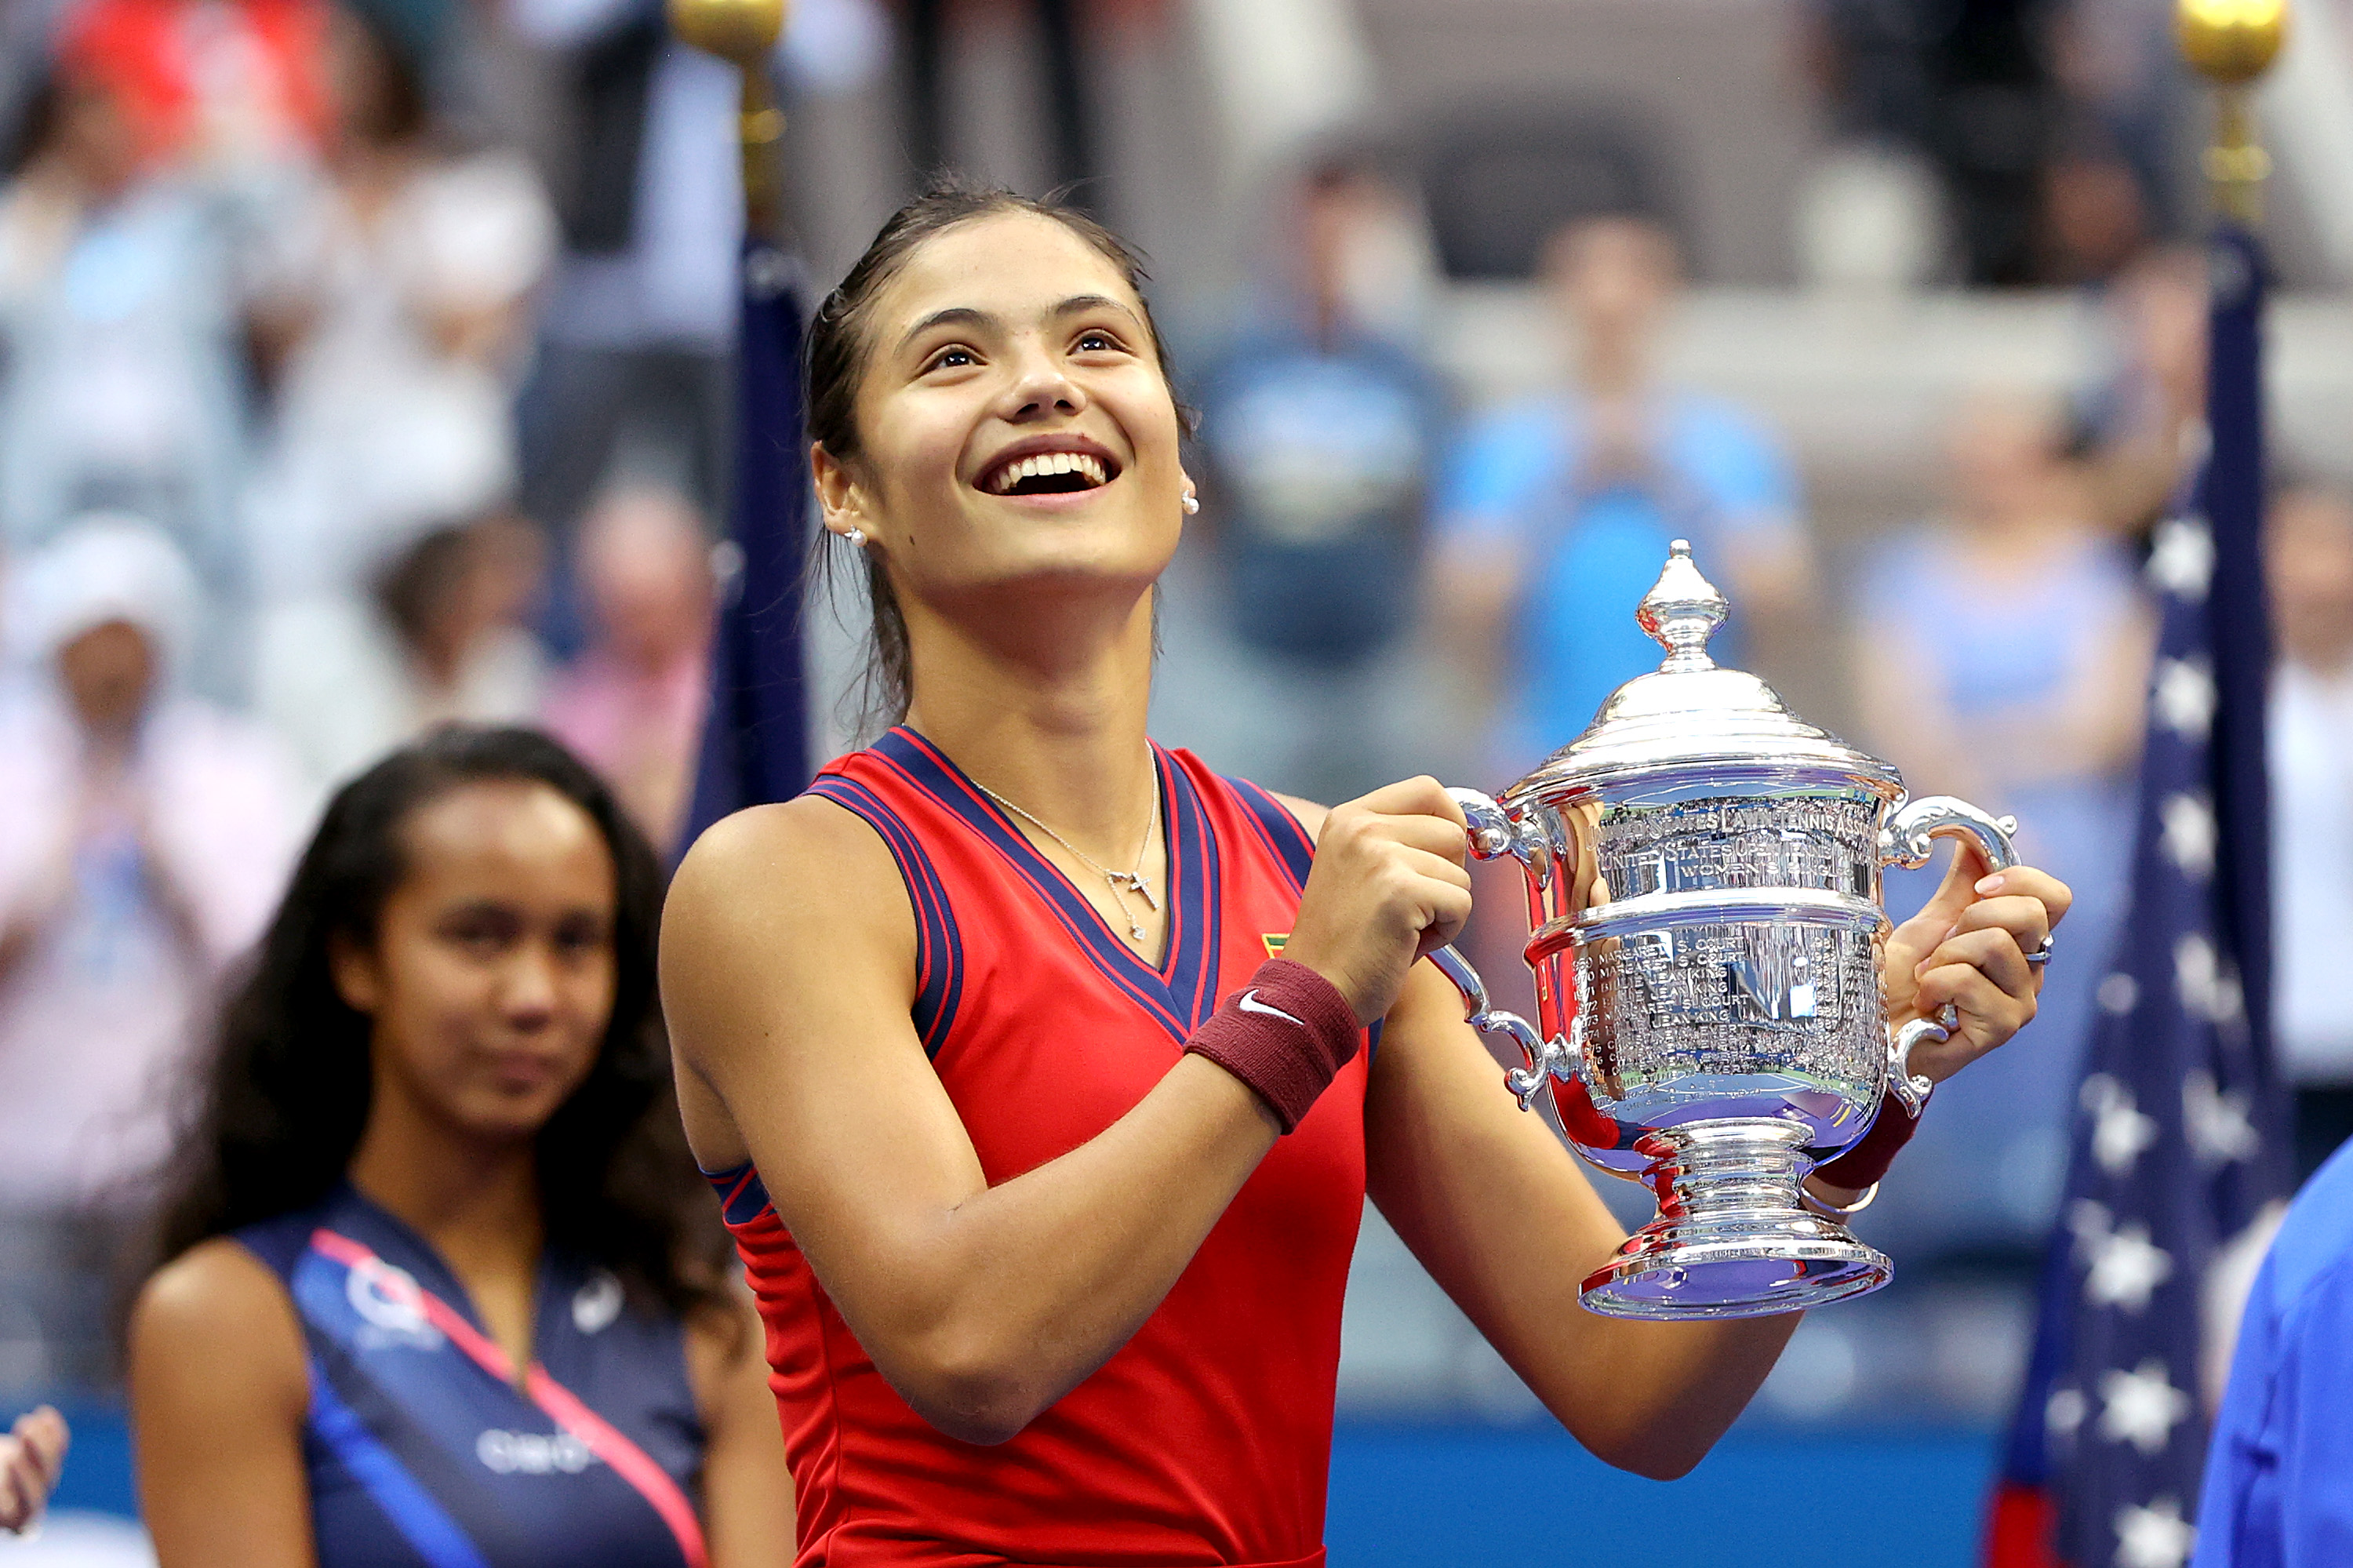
<point>1119,881</point>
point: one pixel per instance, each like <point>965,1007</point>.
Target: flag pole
<point>2231,43</point>
<point>756,741</point>
<point>743,33</point>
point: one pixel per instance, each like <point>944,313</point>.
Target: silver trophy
<point>1703,873</point>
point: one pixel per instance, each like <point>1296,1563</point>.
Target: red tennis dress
<point>1206,1439</point>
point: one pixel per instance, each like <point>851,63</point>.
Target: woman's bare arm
<point>747,1493</point>
<point>218,1391</point>
<point>787,969</point>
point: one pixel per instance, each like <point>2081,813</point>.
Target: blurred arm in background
<point>32,1456</point>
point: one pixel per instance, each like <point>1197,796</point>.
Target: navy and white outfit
<point>423,1449</point>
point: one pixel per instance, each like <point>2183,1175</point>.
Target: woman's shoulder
<point>220,1301</point>
<point>790,843</point>
<point>800,874</point>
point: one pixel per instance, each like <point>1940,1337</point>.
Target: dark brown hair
<point>837,351</point>
<point>284,1096</point>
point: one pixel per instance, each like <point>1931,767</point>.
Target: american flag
<point>755,745</point>
<point>2179,1146</point>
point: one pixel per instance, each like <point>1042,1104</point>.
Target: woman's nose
<point>1040,386</point>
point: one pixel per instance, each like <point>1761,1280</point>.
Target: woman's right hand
<point>31,1460</point>
<point>1388,886</point>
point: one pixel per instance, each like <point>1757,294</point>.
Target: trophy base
<point>1731,1239</point>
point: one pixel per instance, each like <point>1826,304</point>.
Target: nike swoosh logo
<point>1249,1002</point>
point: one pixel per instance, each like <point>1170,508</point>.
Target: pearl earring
<point>857,537</point>
<point>1192,504</point>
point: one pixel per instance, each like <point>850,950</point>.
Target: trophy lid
<point>1692,713</point>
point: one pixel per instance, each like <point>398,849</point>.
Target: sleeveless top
<point>419,1450</point>
<point>1206,1439</point>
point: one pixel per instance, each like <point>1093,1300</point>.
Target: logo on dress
<point>595,1304</point>
<point>533,1453</point>
<point>1275,941</point>
<point>390,1304</point>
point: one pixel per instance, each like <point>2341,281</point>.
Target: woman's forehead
<point>1017,266</point>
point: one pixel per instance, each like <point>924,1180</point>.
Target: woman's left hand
<point>1968,948</point>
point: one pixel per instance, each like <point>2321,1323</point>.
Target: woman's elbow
<point>1651,1452</point>
<point>970,1390</point>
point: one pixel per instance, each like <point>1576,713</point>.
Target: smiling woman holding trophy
<point>1043,1071</point>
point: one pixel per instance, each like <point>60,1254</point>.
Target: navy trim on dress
<point>1155,990</point>
<point>939,951</point>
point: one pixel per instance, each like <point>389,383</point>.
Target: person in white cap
<point>147,837</point>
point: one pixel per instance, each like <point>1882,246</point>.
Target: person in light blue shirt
<point>2279,1473</point>
<point>1555,514</point>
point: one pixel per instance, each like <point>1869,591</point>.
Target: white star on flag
<point>2220,1125</point>
<point>2142,1407</point>
<point>2154,1537</point>
<point>2182,558</point>
<point>2122,1131</point>
<point>2063,1411</point>
<point>2182,692</point>
<point>2119,993</point>
<point>2189,825</point>
<point>2207,988</point>
<point>2123,1267</point>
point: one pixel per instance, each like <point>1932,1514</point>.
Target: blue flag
<point>2181,1139</point>
<point>755,737</point>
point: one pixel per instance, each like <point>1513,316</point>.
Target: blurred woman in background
<point>439,1286</point>
<point>2019,688</point>
<point>144,835</point>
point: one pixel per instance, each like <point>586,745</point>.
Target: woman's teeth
<point>1049,466</point>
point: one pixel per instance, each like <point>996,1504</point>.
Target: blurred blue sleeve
<point>1497,470</point>
<point>2279,1473</point>
<point>1739,464</point>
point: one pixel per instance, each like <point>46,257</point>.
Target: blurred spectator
<point>632,706</point>
<point>345,679</point>
<point>1556,512</point>
<point>121,341</point>
<point>2027,705</point>
<point>637,331</point>
<point>2311,568</point>
<point>2147,414</point>
<point>1063,102</point>
<point>1319,433</point>
<point>146,839</point>
<point>220,86</point>
<point>400,287</point>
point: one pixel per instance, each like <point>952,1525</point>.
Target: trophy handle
<point>1910,1088</point>
<point>1544,1059</point>
<point>1906,841</point>
<point>1494,835</point>
<point>1907,838</point>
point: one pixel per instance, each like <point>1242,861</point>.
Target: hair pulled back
<point>839,347</point>
<point>284,1096</point>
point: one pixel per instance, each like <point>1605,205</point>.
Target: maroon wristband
<point>1868,1161</point>
<point>1286,1035</point>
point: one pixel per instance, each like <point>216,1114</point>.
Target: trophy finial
<point>1682,610</point>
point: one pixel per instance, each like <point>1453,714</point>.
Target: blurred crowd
<point>340,395</point>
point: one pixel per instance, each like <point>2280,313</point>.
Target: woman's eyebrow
<point>1079,305</point>
<point>954,315</point>
<point>967,315</point>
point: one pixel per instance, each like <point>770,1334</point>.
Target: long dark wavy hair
<point>834,362</point>
<point>284,1095</point>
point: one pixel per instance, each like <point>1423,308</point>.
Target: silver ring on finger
<point>2042,955</point>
